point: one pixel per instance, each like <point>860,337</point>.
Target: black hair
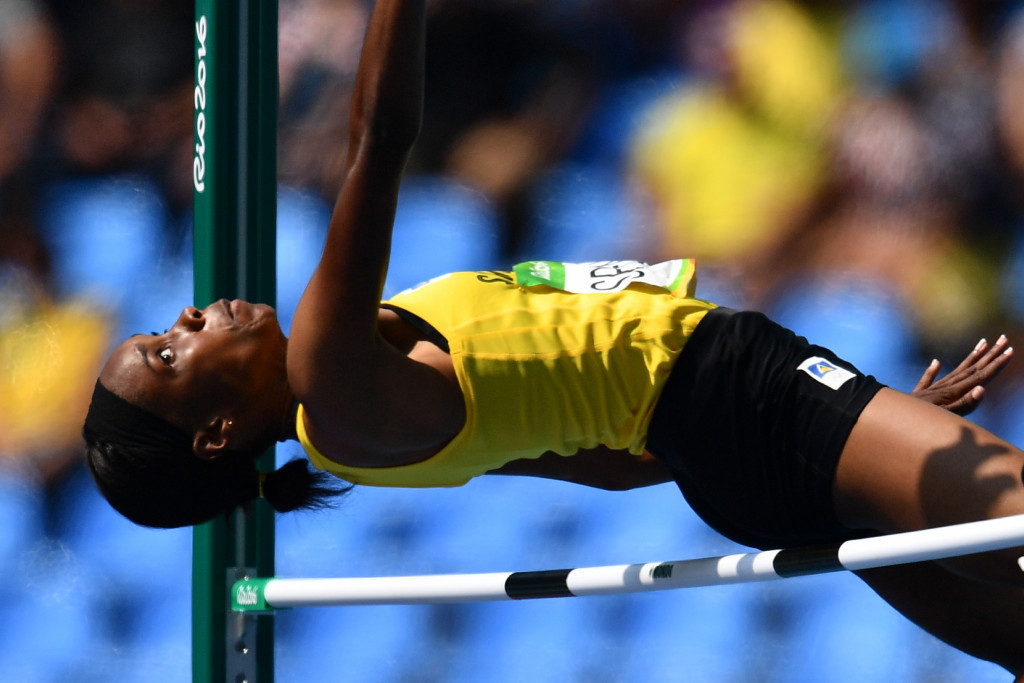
<point>145,467</point>
<point>166,488</point>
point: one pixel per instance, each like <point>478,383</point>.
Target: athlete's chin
<point>266,321</point>
<point>265,313</point>
<point>257,316</point>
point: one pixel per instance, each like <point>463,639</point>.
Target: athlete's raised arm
<point>385,118</point>
<point>363,398</point>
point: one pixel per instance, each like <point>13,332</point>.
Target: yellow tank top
<point>540,369</point>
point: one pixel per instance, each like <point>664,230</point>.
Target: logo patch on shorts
<point>826,372</point>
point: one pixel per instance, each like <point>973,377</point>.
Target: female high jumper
<point>612,376</point>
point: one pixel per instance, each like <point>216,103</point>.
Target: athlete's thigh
<point>910,465</point>
<point>980,618</point>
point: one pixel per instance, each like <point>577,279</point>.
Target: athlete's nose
<point>191,318</point>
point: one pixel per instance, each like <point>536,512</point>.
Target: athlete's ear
<point>213,439</point>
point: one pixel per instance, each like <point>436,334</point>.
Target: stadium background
<point>855,169</point>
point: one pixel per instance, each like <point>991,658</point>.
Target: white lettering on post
<point>199,160</point>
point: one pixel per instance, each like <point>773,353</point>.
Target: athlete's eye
<point>166,356</point>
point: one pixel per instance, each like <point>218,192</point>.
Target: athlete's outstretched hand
<point>962,389</point>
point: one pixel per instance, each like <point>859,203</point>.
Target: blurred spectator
<point>49,351</point>
<point>49,355</point>
<point>318,53</point>
<point>912,201</point>
<point>117,179</point>
<point>886,220</point>
<point>733,158</point>
<point>28,72</point>
<point>1009,51</point>
<point>1010,75</point>
<point>126,99</point>
<point>506,92</point>
<point>504,95</point>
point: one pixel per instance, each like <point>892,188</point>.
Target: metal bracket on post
<point>240,636</point>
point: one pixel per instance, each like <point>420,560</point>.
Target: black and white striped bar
<point>916,546</point>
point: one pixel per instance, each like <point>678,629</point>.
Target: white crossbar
<point>262,594</point>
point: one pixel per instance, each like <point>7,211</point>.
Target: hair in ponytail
<point>296,486</point>
<point>165,488</point>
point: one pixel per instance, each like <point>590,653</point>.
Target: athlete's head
<point>178,418</point>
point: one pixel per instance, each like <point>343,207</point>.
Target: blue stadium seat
<point>1011,419</point>
<point>675,634</point>
<point>1012,280</point>
<point>302,220</point>
<point>941,662</point>
<point>491,524</point>
<point>159,648</point>
<point>102,233</point>
<point>143,577</point>
<point>532,640</point>
<point>131,557</point>
<point>887,41</point>
<point>861,322</point>
<point>832,620</point>
<point>21,517</point>
<point>373,532</point>
<point>440,227</point>
<point>617,115</point>
<point>159,307</point>
<point>836,618</point>
<point>49,605</point>
<point>361,644</point>
<point>323,543</point>
<point>581,213</point>
<point>689,634</point>
<point>547,525</point>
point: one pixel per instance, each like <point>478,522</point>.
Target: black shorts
<point>752,427</point>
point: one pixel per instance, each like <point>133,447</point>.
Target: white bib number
<point>676,276</point>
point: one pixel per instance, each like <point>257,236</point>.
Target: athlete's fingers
<point>971,357</point>
<point>968,402</point>
<point>981,368</point>
<point>995,352</point>
<point>990,365</point>
<point>929,375</point>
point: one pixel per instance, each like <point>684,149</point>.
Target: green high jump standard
<point>234,181</point>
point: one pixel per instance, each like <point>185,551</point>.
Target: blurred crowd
<point>855,169</point>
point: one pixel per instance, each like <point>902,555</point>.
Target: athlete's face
<point>227,358</point>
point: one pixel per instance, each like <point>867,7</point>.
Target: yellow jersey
<point>541,369</point>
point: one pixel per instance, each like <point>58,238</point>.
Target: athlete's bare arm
<point>366,403</point>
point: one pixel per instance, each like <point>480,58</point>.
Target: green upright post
<point>234,177</point>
